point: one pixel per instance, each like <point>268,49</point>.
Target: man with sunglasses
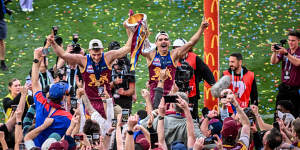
<point>201,71</point>
<point>95,67</point>
<point>164,58</point>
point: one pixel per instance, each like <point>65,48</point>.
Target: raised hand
<point>199,144</point>
<point>145,93</point>
<point>132,121</point>
<point>182,103</point>
<point>162,107</point>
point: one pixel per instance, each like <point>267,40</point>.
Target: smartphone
<point>114,122</point>
<point>170,98</point>
<point>45,51</point>
<point>96,136</point>
<point>251,121</point>
<point>73,103</point>
<point>22,146</point>
<point>78,137</point>
<point>90,138</point>
<point>125,115</point>
<point>210,140</point>
<point>28,82</point>
<point>14,107</point>
<point>101,91</point>
<point>276,125</point>
<point>154,139</point>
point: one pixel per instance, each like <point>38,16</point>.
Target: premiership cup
<point>133,21</point>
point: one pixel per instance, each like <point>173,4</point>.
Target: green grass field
<point>245,26</point>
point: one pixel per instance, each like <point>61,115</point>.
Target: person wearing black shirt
<point>13,98</point>
<point>201,71</point>
<point>123,81</point>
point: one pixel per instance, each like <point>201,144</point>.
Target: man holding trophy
<point>164,58</point>
<point>95,67</point>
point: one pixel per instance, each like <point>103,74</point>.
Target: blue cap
<point>215,125</point>
<point>178,145</point>
<point>55,136</point>
<point>58,90</point>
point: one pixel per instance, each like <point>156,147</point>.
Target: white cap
<point>95,43</point>
<point>161,33</point>
<point>179,42</point>
<point>47,143</point>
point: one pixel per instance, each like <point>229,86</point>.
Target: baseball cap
<point>179,42</point>
<point>95,44</point>
<point>142,141</point>
<point>58,90</point>
<point>55,136</point>
<point>230,128</point>
<point>48,142</point>
<point>161,33</point>
<point>215,126</point>
<point>61,145</point>
<point>178,145</point>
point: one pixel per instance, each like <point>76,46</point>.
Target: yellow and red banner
<point>211,48</point>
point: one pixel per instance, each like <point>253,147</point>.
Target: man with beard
<point>95,67</point>
<point>243,82</point>
<point>163,58</point>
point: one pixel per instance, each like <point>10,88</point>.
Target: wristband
<point>130,132</point>
<point>19,123</point>
<point>35,60</point>
<point>161,117</point>
<point>108,134</point>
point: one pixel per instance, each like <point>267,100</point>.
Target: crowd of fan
<point>169,127</point>
<point>47,117</point>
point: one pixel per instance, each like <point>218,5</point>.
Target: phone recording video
<point>78,137</point>
<point>153,139</point>
<point>14,107</point>
<point>125,115</point>
<point>114,122</point>
<point>170,98</point>
<point>74,103</point>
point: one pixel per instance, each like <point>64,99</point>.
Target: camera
<point>55,29</point>
<point>60,73</point>
<point>182,76</point>
<point>282,43</point>
<point>121,70</point>
<point>248,111</point>
<point>75,45</point>
<point>57,39</point>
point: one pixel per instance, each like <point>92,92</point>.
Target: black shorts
<point>3,29</point>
